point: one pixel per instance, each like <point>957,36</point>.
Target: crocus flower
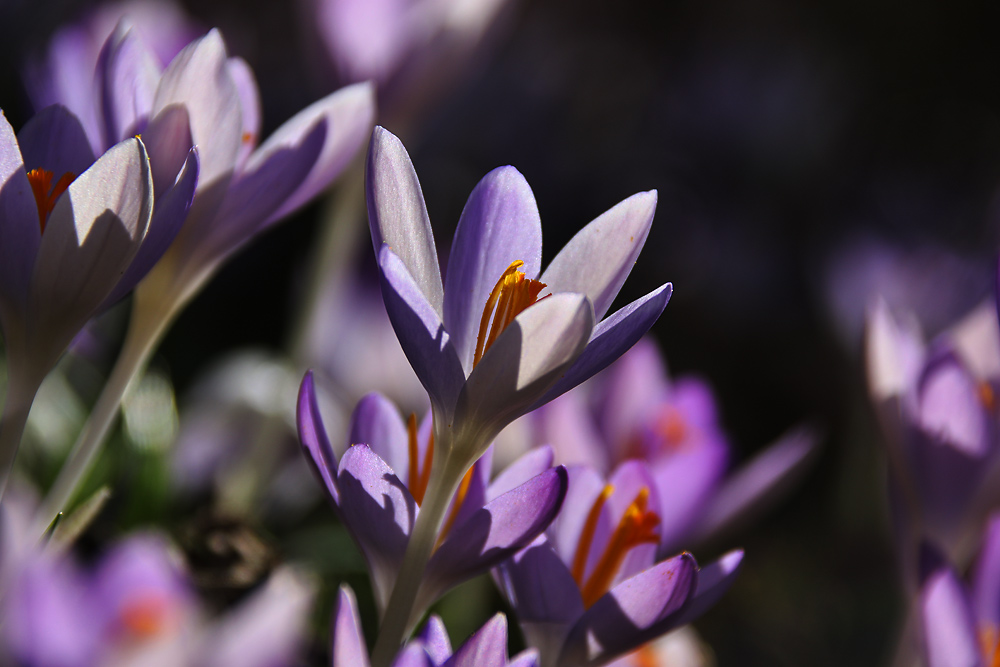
<point>381,481</point>
<point>591,589</point>
<point>635,410</point>
<point>495,339</point>
<point>487,647</point>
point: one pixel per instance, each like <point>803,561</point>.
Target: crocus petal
<point>246,86</point>
<point>535,462</point>
<point>129,73</point>
<point>633,387</point>
<point>379,511</point>
<point>499,225</point>
<point>487,647</point>
<point>540,587</point>
<point>54,139</point>
<point>686,480</point>
<point>713,582</point>
<point>411,655</point>
<point>434,638</point>
<point>168,140</point>
<point>758,483</point>
<point>950,407</point>
<point>91,236</point>
<point>567,424</point>
<point>526,658</point>
<point>610,339</point>
<point>20,230</point>
<point>397,215</point>
<point>377,423</point>
<point>349,114</point>
<point>949,633</point>
<point>312,435</point>
<point>630,614</point>
<point>199,79</point>
<point>527,358</point>
<point>598,259</point>
<point>169,215</point>
<point>495,532</point>
<point>349,649</point>
<point>893,353</point>
<point>628,481</point>
<point>585,485</point>
<point>420,332</point>
<point>986,580</point>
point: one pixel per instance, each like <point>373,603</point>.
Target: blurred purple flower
<point>635,411</point>
<point>482,342</point>
<point>591,588</point>
<point>487,647</point>
<point>380,484</point>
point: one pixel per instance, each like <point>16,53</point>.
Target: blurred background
<point>806,155</point>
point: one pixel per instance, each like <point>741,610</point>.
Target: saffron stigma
<point>510,296</point>
<point>45,193</point>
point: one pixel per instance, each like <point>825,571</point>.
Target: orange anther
<point>986,395</point>
<point>587,534</point>
<point>510,296</point>
<point>419,476</point>
<point>463,490</point>
<point>45,193</point>
<point>144,616</point>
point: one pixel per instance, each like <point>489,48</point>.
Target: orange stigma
<point>672,426</point>
<point>989,642</point>
<point>510,296</point>
<point>145,616</point>
<point>637,526</point>
<point>419,475</point>
<point>986,395</point>
<point>45,193</point>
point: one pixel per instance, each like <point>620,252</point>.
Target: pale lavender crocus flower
<point>487,647</point>
<point>591,589</point>
<point>379,486</point>
<point>634,410</point>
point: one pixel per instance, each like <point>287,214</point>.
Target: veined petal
<point>499,225</point>
<point>53,139</point>
<point>349,114</point>
<point>435,639</point>
<point>376,422</point>
<point>379,511</point>
<point>949,632</point>
<point>349,649</point>
<point>495,532</point>
<point>610,339</point>
<point>93,233</point>
<point>168,140</point>
<point>534,462</point>
<point>20,232</point>
<point>487,647</point>
<point>598,259</point>
<point>128,73</point>
<point>568,425</point>
<point>421,333</point>
<point>686,480</point>
<point>246,86</point>
<point>524,362</point>
<point>713,582</point>
<point>630,614</point>
<point>312,435</point>
<point>397,215</point>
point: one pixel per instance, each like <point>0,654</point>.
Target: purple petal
<point>568,425</point>
<point>686,480</point>
<point>496,531</point>
<point>377,423</point>
<point>499,225</point>
<point>349,114</point>
<point>894,354</point>
<point>628,480</point>
<point>631,613</point>
<point>128,74</point>
<point>139,566</point>
<point>610,339</point>
<point>397,215</point>
<point>949,632</point>
<point>632,388</point>
<point>986,580</point>
<point>420,331</point>
<point>379,511</point>
<point>411,655</point>
<point>20,230</point>
<point>312,435</point>
<point>713,582</point>
<point>533,463</point>
<point>435,639</point>
<point>475,493</point>
<point>598,259</point>
<point>246,86</point>
<point>55,140</point>
<point>758,483</point>
<point>585,485</point>
<point>528,358</point>
<point>950,406</point>
<point>168,140</point>
<point>487,647</point>
<point>365,38</point>
<point>348,643</point>
<point>526,658</point>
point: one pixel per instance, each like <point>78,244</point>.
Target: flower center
<point>145,615</point>
<point>45,193</point>
<point>511,295</point>
<point>419,475</point>
<point>989,641</point>
<point>638,525</point>
<point>987,396</point>
<point>672,427</point>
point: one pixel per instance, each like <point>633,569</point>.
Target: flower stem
<point>21,390</point>
<point>146,327</point>
<point>400,615</point>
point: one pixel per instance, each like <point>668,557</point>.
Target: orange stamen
<point>418,477</point>
<point>987,396</point>
<point>247,137</point>
<point>637,526</point>
<point>672,426</point>
<point>587,535</point>
<point>646,657</point>
<point>45,193</point>
<point>989,641</point>
<point>463,490</point>
<point>510,296</point>
<point>145,616</point>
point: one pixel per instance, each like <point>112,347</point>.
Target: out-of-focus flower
<point>937,406</point>
<point>591,588</point>
<point>634,410</point>
<point>381,482</point>
<point>487,647</point>
<point>492,342</point>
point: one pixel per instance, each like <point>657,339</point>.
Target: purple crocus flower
<point>487,647</point>
<point>491,342</point>
<point>381,481</point>
<point>635,410</point>
<point>591,588</point>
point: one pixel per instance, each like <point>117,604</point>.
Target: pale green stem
<point>146,327</point>
<point>399,613</point>
<point>21,389</point>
